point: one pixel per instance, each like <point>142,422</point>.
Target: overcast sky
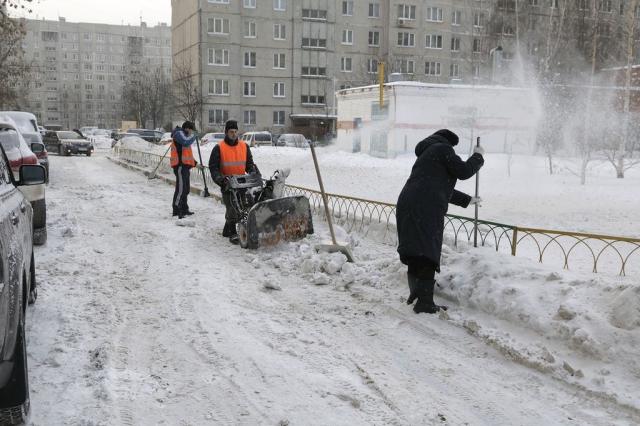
<point>116,12</point>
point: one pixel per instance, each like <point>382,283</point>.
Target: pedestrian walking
<point>422,206</point>
<point>182,161</point>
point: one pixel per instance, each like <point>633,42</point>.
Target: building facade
<point>79,70</point>
<point>275,65</point>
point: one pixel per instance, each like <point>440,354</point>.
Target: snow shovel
<point>204,178</point>
<point>326,246</point>
<point>153,173</point>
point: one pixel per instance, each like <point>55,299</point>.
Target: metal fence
<point>597,253</point>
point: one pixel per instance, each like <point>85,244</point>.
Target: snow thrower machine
<point>267,218</point>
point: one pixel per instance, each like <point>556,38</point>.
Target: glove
<point>478,150</point>
<point>475,200</point>
<point>222,182</point>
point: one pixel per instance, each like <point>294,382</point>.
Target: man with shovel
<point>421,208</point>
<point>182,161</point>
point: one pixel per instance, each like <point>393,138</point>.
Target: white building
<point>504,118</point>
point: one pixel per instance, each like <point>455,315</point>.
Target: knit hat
<point>188,125</point>
<point>230,124</point>
<point>448,135</point>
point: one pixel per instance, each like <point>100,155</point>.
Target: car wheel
<point>15,396</point>
<point>33,293</point>
<point>88,154</point>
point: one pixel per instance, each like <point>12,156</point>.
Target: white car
<point>211,138</point>
<point>293,140</point>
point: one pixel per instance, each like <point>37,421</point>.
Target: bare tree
<point>146,96</point>
<point>188,98</point>
<point>13,67</point>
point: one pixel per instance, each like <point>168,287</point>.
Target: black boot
<point>229,229</point>
<point>425,301</point>
<point>413,289</point>
<point>234,239</point>
<point>176,211</point>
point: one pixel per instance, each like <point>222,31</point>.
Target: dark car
<point>17,287</point>
<point>147,135</point>
<point>66,142</point>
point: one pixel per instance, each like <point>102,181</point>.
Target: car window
<point>69,135</point>
<point>263,137</point>
<point>9,138</point>
<point>24,124</point>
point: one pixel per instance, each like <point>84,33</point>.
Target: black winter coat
<point>425,198</point>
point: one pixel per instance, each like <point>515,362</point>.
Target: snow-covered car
<point>166,138</point>
<point>27,125</point>
<point>66,143</point>
<point>17,287</point>
<point>295,140</point>
<point>211,138</point>
<point>19,154</point>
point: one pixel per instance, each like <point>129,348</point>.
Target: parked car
<point>256,138</point>
<point>42,130</point>
<point>17,286</point>
<point>65,142</point>
<point>147,135</point>
<point>166,138</point>
<point>19,154</point>
<point>293,140</point>
<point>211,138</point>
<point>29,129</point>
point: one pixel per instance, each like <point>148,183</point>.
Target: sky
<point>145,319</point>
<point>114,12</point>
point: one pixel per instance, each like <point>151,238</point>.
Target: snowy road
<point>140,321</point>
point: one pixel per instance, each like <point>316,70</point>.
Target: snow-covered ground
<point>144,319</point>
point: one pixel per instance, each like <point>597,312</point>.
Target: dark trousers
<point>420,267</point>
<point>231,215</point>
<point>183,186</point>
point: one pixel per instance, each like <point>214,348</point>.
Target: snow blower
<point>267,217</point>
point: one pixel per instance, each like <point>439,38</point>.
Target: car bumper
<point>79,149</point>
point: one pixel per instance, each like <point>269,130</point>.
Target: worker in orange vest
<point>230,156</point>
<point>182,161</point>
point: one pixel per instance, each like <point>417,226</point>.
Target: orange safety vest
<point>187,155</point>
<point>233,159</point>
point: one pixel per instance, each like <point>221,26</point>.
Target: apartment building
<point>79,70</point>
<point>275,64</point>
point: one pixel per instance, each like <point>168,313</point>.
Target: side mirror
<point>37,148</point>
<point>32,174</point>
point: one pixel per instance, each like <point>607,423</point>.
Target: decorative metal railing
<point>597,253</point>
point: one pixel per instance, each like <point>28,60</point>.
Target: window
<point>455,17</point>
<point>432,68</point>
<point>312,99</point>
<point>217,26</point>
<point>249,88</point>
<point>279,61</point>
<point>278,90</point>
<point>345,64</point>
<point>218,116</point>
<point>88,87</point>
<point>620,9</point>
<point>454,70</point>
<point>347,8</point>
<point>477,45</point>
<point>250,4</point>
<point>219,57</point>
<point>583,4</point>
<point>36,34</point>
<point>278,118</point>
<point>86,36</point>
<point>314,14</point>
<point>455,44</point>
<point>606,6</point>
<point>250,30</point>
<point>219,87</point>
<point>405,66</point>
<point>374,38</point>
<point>218,1</point>
<point>279,4</point>
<point>249,118</point>
<point>478,20</point>
<point>475,71</point>
<point>406,39</point>
<point>434,14</point>
<point>554,4</point>
<point>278,32</point>
<point>87,56</point>
<point>604,30</point>
<point>314,42</point>
<point>406,12</point>
<point>434,41</point>
<point>347,37</point>
<point>533,3</point>
<point>249,59</point>
<point>314,71</point>
<point>372,66</point>
<point>374,10</point>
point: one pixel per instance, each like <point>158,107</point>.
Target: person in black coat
<point>421,207</point>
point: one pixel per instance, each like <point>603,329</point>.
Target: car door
<point>51,141</point>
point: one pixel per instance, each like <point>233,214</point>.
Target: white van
<point>257,138</point>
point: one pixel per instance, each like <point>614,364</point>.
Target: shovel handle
<point>324,194</point>
<point>475,220</point>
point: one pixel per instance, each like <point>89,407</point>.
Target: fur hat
<point>448,135</point>
<point>188,125</point>
<point>230,124</point>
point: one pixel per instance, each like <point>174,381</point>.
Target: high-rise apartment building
<point>276,64</point>
<point>79,70</point>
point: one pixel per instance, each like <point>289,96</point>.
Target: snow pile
<point>101,142</point>
<point>136,143</point>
